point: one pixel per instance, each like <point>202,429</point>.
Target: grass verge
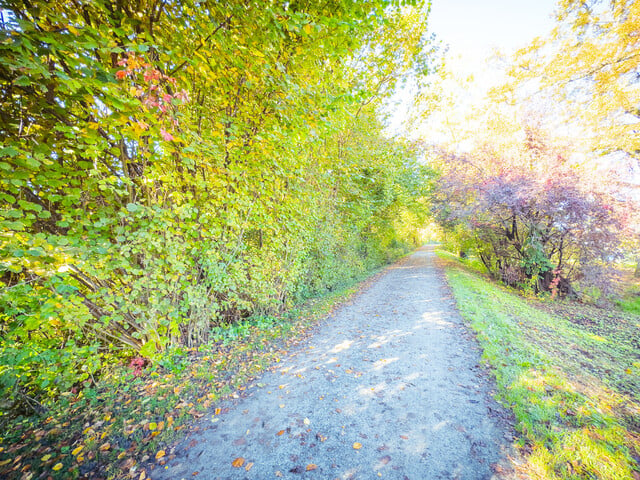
<point>569,372</point>
<point>120,427</point>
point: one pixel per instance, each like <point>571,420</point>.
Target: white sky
<point>474,29</point>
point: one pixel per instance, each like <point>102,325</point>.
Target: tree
<point>533,223</point>
<point>588,66</point>
<point>167,167</point>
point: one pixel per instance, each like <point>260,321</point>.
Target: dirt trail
<point>387,387</point>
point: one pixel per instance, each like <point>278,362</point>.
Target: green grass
<point>630,304</point>
<point>570,373</point>
<point>472,261</point>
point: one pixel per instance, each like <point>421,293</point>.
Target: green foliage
<point>127,415</point>
<point>169,168</point>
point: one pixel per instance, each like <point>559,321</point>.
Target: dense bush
<point>534,221</point>
<point>172,166</point>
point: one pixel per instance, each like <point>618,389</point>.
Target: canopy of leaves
<point>533,220</point>
<point>171,166</point>
<point>589,66</point>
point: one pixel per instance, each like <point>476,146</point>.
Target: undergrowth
<point>120,426</point>
<point>569,372</point>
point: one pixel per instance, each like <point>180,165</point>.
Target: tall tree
<point>589,64</point>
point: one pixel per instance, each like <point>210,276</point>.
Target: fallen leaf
<point>357,445</point>
<point>77,450</point>
<point>153,426</point>
<point>238,462</point>
<point>280,433</point>
<point>43,459</point>
<point>143,475</point>
<point>404,437</point>
<point>311,466</point>
<point>105,446</point>
<point>306,421</point>
<point>160,454</point>
<point>57,467</point>
<point>249,466</point>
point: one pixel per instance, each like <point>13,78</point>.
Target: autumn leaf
<point>249,466</point>
<point>160,454</point>
<point>77,450</point>
<point>280,433</point>
<point>153,426</point>
<point>105,446</point>
<point>311,466</point>
<point>357,445</point>
<point>57,467</point>
<point>238,462</point>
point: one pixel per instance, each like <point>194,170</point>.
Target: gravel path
<point>387,387</point>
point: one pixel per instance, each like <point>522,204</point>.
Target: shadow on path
<point>387,387</point>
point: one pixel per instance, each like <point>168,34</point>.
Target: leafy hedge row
<point>173,166</point>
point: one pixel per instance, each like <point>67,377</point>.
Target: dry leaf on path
<point>238,462</point>
<point>357,445</point>
<point>311,466</point>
